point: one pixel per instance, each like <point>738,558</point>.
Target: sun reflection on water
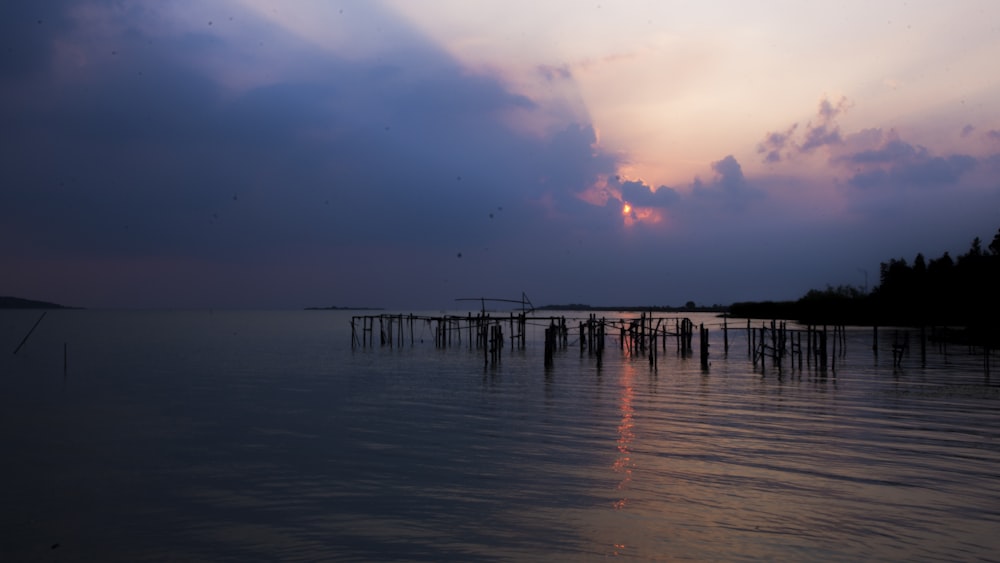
<point>623,463</point>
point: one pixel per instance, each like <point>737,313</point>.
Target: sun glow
<point>626,209</point>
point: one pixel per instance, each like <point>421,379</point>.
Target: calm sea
<point>262,436</point>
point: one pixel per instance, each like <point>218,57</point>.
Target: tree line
<point>943,291</point>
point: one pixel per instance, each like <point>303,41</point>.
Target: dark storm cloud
<point>147,152</point>
<point>28,34</point>
<point>574,144</point>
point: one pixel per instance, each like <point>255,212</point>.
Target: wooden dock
<point>771,346</point>
<point>490,333</point>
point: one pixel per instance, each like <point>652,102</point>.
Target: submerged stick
<point>26,336</point>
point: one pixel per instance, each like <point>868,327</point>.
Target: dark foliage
<point>943,291</point>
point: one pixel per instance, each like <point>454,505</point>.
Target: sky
<point>268,155</point>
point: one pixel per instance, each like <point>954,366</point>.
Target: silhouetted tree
<point>995,245</point>
<point>942,291</point>
<point>945,291</point>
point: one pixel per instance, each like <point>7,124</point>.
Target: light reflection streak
<point>623,463</point>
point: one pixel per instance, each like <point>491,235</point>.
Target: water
<point>236,436</point>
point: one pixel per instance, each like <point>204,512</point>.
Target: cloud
<point>897,165</point>
<point>824,131</point>
<point>639,194</point>
<point>775,143</point>
<point>30,33</point>
<point>197,159</point>
<point>821,132</point>
<point>931,172</point>
<point>993,135</point>
<point>729,188</point>
<point>152,155</point>
<point>552,73</point>
<point>730,174</point>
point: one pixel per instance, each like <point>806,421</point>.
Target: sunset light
<point>279,142</point>
<point>279,255</point>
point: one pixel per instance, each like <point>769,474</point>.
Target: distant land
<point>19,303</point>
<point>940,292</point>
<point>688,308</point>
<point>336,308</point>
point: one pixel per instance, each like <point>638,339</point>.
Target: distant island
<point>19,303</point>
<point>336,308</point>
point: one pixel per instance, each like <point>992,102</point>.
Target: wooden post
<point>600,343</point>
<point>799,346</point>
<point>833,356</point>
<point>704,345</point>
<point>653,338</point>
<point>26,336</point>
<point>725,333</point>
<point>923,346</point>
<point>774,343</point>
<point>822,348</point>
<point>548,348</point>
<point>762,344</point>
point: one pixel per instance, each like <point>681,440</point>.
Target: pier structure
<point>647,335</point>
<point>771,346</point>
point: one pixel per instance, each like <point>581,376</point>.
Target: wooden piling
<point>26,336</point>
<point>725,334</point>
<point>549,345</point>
<point>703,344</point>
<point>799,347</point>
<point>923,346</point>
<point>600,343</point>
<point>822,349</point>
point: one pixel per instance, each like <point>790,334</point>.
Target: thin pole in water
<point>26,336</point>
